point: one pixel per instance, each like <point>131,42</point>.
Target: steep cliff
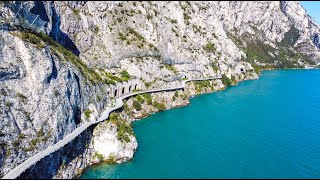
<point>52,81</point>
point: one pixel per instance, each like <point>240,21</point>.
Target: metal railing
<point>28,20</point>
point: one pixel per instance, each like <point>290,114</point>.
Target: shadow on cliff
<point>55,33</point>
<point>39,9</point>
<point>60,36</point>
<point>49,166</point>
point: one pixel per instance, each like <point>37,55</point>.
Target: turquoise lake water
<point>266,128</point>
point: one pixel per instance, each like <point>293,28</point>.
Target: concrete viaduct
<point>18,170</point>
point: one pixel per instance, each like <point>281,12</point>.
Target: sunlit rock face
<point>45,91</point>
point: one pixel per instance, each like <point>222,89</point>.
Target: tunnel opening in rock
<point>115,92</point>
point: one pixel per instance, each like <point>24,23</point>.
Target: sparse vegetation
<point>56,93</point>
<point>124,130</point>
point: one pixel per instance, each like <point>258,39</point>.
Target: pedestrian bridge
<point>18,170</point>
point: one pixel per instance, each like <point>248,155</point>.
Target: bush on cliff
<point>137,105</point>
<point>226,81</point>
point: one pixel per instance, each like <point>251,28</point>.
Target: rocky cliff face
<point>45,90</point>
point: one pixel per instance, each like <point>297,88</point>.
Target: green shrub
<point>21,136</point>
<point>184,96</point>
<point>33,39</point>
<point>87,113</point>
<point>137,105</point>
<point>147,84</point>
<point>171,68</point>
<point>111,159</point>
<point>125,75</point>
<point>108,81</point>
<point>233,79</point>
<point>161,106</point>
<point>140,99</point>
<point>125,107</point>
<point>40,132</point>
<point>99,156</point>
<point>34,142</point>
<point>226,81</point>
<point>21,96</point>
<point>9,104</point>
<point>173,21</point>
<point>96,29</point>
<point>56,93</point>
<point>124,130</point>
<point>209,47</point>
<point>148,98</point>
<point>76,11</point>
<point>27,149</point>
<point>16,143</point>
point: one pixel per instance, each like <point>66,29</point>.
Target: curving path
<point>14,173</point>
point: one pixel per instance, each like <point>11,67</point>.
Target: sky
<point>313,9</point>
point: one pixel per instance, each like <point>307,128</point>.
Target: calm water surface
<point>266,128</point>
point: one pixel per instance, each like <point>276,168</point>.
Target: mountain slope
<point>49,80</point>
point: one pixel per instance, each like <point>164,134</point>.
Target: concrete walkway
<point>14,173</point>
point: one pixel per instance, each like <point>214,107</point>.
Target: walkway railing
<point>17,171</point>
